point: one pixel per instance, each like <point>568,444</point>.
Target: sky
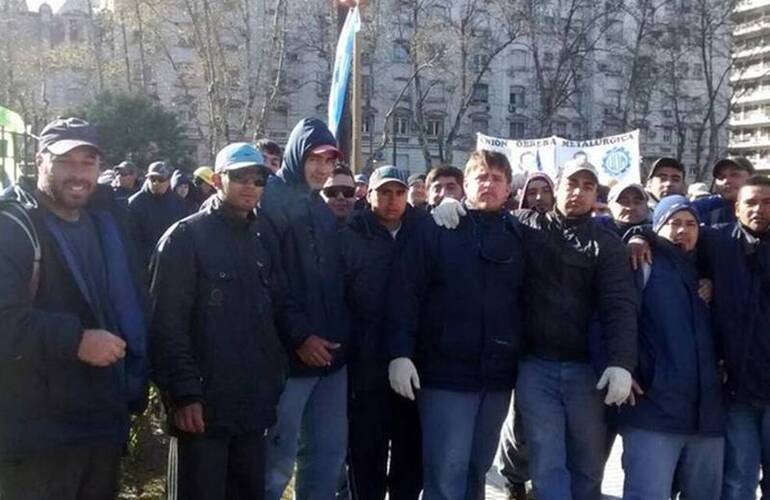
<point>34,5</point>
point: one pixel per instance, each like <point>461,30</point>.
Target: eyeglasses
<point>335,191</point>
<point>259,180</point>
<point>158,180</point>
<point>125,174</point>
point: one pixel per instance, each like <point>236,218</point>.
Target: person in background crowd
<point>417,195</point>
<point>106,178</point>
<point>698,190</point>
<point>601,208</point>
<point>627,202</point>
<point>675,428</point>
<point>217,285</point>
<point>444,182</point>
<point>385,451</point>
<point>153,209</point>
<point>203,184</point>
<point>339,193</point>
<point>312,412</point>
<point>182,186</point>
<point>455,310</point>
<point>729,175</point>
<point>362,188</point>
<point>537,193</point>
<point>667,177</point>
<point>577,270</point>
<point>73,340</point>
<point>126,181</point>
<point>272,153</point>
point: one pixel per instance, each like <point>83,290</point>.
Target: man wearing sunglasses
<point>339,193</point>
<point>216,355</point>
<point>454,310</point>
<point>380,420</point>
<point>153,209</point>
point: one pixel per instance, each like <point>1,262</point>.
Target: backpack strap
<point>19,216</point>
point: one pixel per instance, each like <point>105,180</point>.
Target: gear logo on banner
<point>616,161</point>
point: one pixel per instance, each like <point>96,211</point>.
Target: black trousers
<point>84,472</point>
<point>218,468</point>
<point>382,421</point>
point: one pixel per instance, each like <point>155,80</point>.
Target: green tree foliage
<point>133,126</point>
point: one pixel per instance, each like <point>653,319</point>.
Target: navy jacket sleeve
<point>173,293</point>
<point>617,300</point>
<point>408,288</point>
<point>28,332</point>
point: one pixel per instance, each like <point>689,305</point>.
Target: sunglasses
<point>125,174</point>
<point>158,180</point>
<point>258,180</point>
<point>335,191</point>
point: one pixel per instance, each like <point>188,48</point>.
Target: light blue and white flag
<point>343,62</point>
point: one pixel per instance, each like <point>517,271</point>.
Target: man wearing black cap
<point>339,193</point>
<point>73,338</point>
<point>417,195</point>
<point>216,355</point>
<point>667,177</point>
<point>730,174</point>
<point>154,208</point>
<point>380,420</point>
<point>125,181</point>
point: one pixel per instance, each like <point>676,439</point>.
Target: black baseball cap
<point>65,134</point>
<point>385,174</point>
<point>666,161</point>
<point>415,178</point>
<point>739,162</point>
<point>159,169</point>
<point>125,166</point>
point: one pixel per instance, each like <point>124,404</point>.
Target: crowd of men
<point>382,335</point>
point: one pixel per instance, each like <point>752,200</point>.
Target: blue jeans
<point>564,428</point>
<point>747,447</point>
<point>652,459</point>
<point>460,433</point>
<point>312,427</point>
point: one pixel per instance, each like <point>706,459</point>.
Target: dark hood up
<point>533,177</point>
<point>180,178</point>
<point>308,134</point>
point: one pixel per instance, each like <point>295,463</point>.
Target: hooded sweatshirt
<point>179,179</point>
<point>534,176</point>
<point>310,247</point>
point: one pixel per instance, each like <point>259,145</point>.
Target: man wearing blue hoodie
<point>312,412</point>
<point>675,428</point>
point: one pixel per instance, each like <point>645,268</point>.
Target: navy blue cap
<point>238,155</point>
<point>668,206</point>
<point>65,134</point>
<point>385,174</point>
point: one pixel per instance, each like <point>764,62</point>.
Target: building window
<point>667,132</point>
<point>480,93</point>
<point>518,60</point>
<point>515,130</point>
<point>434,127</point>
<point>401,125</point>
<point>480,124</point>
<point>367,124</point>
<point>515,99</point>
<point>74,30</point>
<point>400,51</point>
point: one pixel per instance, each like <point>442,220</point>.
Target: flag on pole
<point>343,62</point>
<point>10,123</point>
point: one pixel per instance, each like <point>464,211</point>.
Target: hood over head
<point>179,178</point>
<point>542,176</point>
<point>307,135</point>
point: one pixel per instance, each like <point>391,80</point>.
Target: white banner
<point>615,157</point>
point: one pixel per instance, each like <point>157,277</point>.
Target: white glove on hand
<point>403,375</point>
<point>619,380</point>
<point>447,214</point>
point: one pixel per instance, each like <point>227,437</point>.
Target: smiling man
<point>73,338</point>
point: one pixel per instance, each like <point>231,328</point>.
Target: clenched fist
<point>100,348</point>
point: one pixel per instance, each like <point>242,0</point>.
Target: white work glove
<point>447,214</point>
<point>403,375</point>
<point>619,380</point>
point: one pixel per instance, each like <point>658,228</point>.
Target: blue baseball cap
<point>238,155</point>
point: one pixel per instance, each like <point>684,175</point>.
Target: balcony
<point>749,5</point>
<point>753,97</point>
<point>752,28</point>
<point>753,73</point>
<point>750,121</point>
<point>761,142</point>
<point>751,52</point>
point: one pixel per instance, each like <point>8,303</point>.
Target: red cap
<point>326,148</point>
